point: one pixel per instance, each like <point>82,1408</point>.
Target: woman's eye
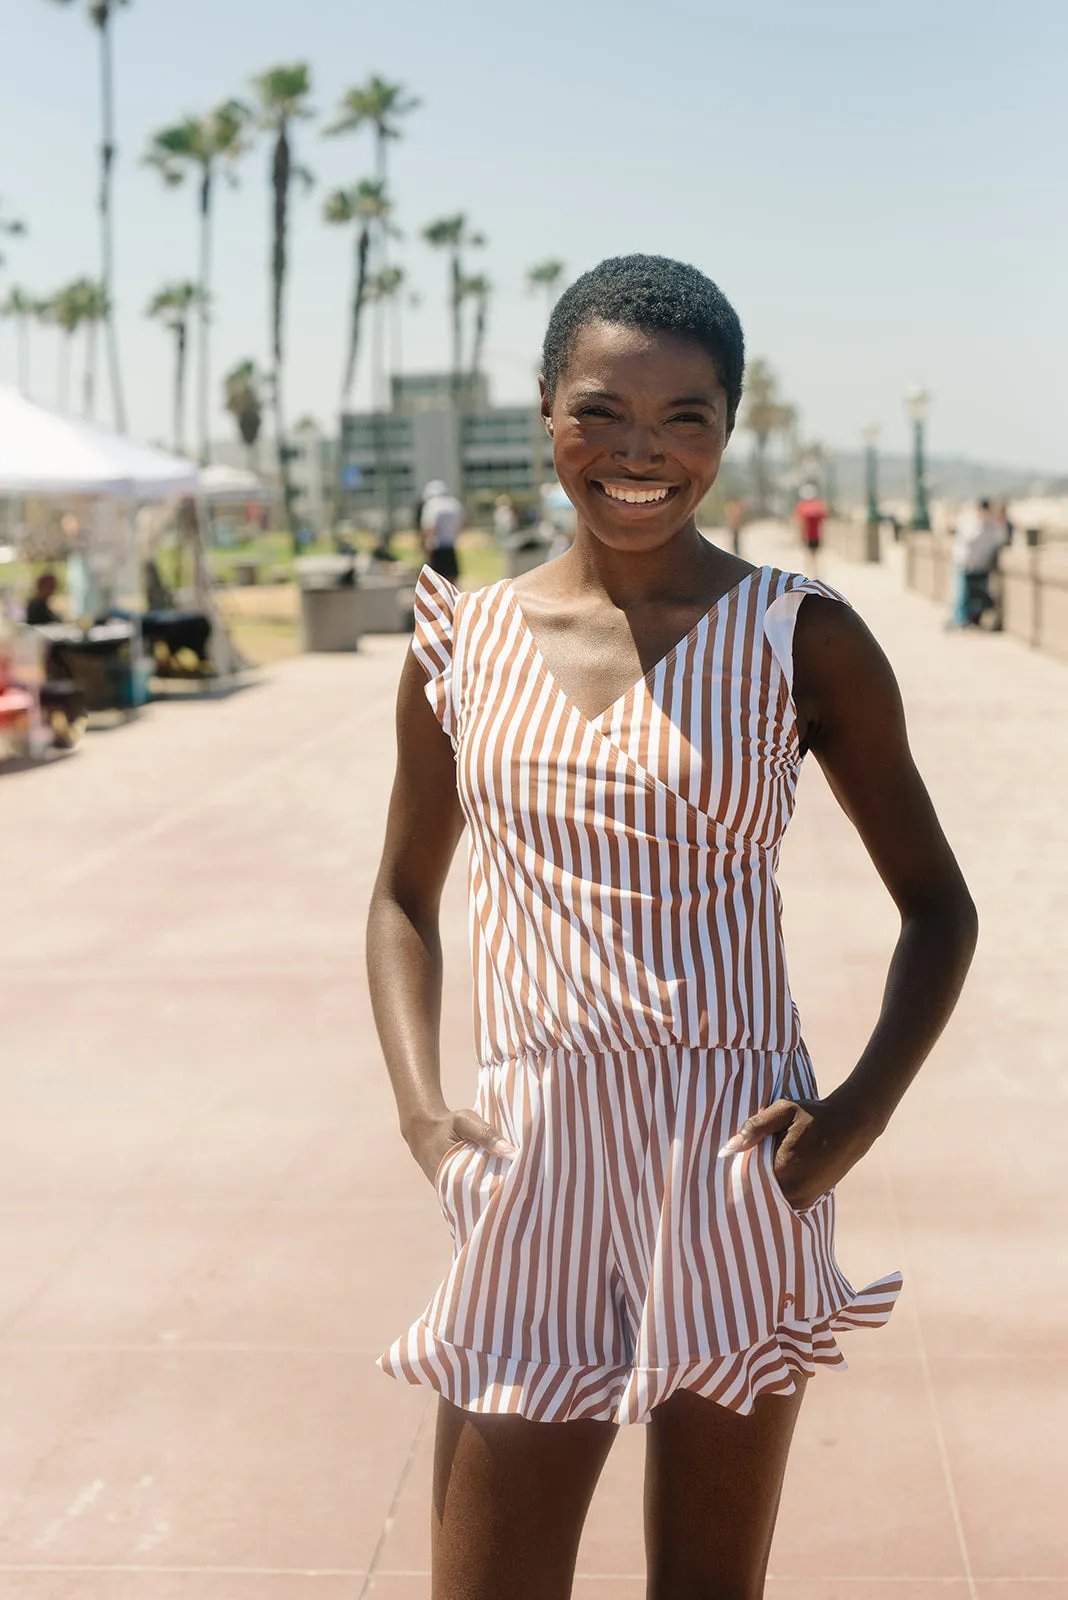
<point>595,411</point>
<point>689,416</point>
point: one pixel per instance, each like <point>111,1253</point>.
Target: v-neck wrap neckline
<point>660,666</point>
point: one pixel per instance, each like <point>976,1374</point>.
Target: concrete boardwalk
<point>208,1227</point>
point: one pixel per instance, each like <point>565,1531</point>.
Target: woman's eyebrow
<point>685,400</point>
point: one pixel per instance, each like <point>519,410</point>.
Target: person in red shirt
<point>810,512</point>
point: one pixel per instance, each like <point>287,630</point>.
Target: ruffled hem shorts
<point>617,1256</point>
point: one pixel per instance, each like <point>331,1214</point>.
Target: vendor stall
<point>45,454</point>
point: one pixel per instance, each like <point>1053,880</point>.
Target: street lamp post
<point>873,520</point>
<point>916,402</point>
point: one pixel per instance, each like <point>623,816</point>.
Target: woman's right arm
<point>404,965</point>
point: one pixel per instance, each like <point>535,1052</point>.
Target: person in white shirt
<point>978,537</point>
<point>441,520</point>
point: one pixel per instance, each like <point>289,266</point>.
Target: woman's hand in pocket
<point>430,1144</point>
<point>818,1142</point>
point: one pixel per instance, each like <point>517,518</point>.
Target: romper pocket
<point>795,1210</point>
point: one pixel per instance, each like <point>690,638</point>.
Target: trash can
<point>329,615</point>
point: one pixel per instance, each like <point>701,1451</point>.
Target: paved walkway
<point>208,1226</point>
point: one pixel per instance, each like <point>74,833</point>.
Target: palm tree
<point>387,288</point>
<point>242,397</point>
<point>364,204</point>
<point>172,305</point>
<point>93,310</point>
<point>11,226</point>
<point>202,144</point>
<point>21,306</point>
<point>764,414</point>
<point>282,93</point>
<point>378,105</point>
<point>64,310</point>
<point>454,235</point>
<point>546,275</point>
<point>479,290</point>
<point>100,15</point>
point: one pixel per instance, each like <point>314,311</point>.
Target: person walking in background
<point>733,520</point>
<point>441,521</point>
<point>811,511</point>
<point>977,538</point>
<point>641,1195</point>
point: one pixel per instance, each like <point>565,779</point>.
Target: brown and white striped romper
<point>632,1008</point>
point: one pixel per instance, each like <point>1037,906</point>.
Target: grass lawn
<point>264,616</point>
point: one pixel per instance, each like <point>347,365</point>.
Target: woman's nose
<point>639,446</point>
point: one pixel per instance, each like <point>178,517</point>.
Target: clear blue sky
<point>879,188</point>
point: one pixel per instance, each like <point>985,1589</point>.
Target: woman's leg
<point>712,1486</point>
<point>510,1498</point>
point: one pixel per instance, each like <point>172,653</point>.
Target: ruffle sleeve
<point>432,640</point>
<point>781,615</point>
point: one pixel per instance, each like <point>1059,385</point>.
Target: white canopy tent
<point>48,454</point>
<point>222,485</point>
<point>44,452</point>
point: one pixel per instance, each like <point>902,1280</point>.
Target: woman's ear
<point>546,407</point>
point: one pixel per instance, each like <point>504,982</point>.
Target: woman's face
<point>639,427</point>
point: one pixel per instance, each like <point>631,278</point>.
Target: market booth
<point>109,646</point>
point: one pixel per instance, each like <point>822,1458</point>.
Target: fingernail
<point>731,1147</point>
<point>502,1149</point>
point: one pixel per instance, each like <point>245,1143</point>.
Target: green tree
<point>764,413</point>
<point>378,105</point>
<point>101,13</point>
<point>479,290</point>
<point>454,235</point>
<point>282,94</point>
<point>21,308</point>
<point>388,288</point>
<point>243,398</point>
<point>203,145</point>
<point>93,310</point>
<point>364,204</point>
<point>65,310</point>
<point>172,306</point>
<point>546,276</point>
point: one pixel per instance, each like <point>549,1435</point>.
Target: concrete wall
<point>852,541</point>
<point>1033,584</point>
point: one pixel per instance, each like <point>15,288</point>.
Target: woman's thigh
<point>510,1498</point>
<point>713,1480</point>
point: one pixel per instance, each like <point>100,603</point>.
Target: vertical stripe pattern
<point>631,1009</point>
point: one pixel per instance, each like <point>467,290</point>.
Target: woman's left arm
<point>850,716</point>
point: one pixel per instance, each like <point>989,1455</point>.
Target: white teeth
<point>635,497</point>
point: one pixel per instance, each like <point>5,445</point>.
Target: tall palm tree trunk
<point>203,327</point>
<point>89,376</point>
<point>359,289</point>
<point>383,465</point>
<point>107,254</point>
<point>280,171</point>
<point>479,336</point>
<point>179,387</point>
<point>457,324</point>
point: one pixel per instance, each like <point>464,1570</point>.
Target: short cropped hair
<point>655,295</point>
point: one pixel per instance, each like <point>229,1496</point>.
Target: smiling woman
<point>642,1197</point>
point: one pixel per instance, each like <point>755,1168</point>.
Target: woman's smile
<point>636,495</point>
